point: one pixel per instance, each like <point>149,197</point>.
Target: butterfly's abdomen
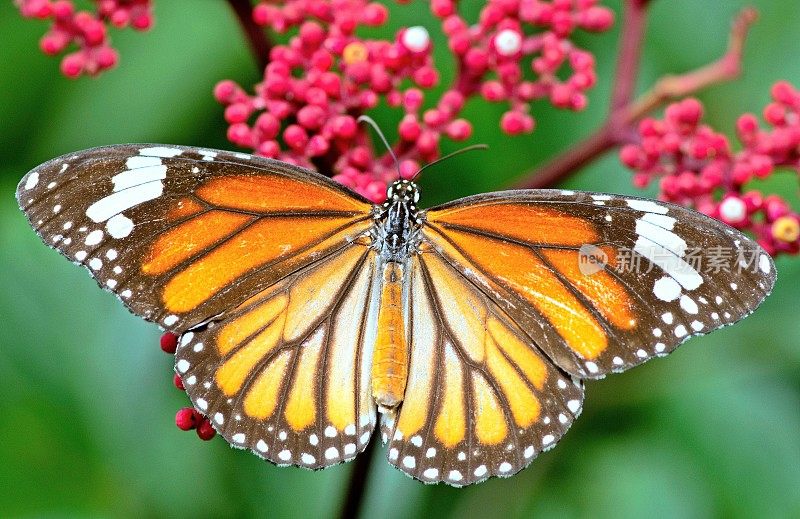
<point>390,361</point>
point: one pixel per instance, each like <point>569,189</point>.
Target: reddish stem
<point>256,37</point>
<point>624,113</point>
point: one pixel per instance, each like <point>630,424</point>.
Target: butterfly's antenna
<point>369,120</point>
<point>453,154</point>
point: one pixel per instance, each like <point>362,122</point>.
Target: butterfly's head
<point>402,191</point>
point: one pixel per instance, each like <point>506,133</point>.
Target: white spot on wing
<point>170,320</point>
<point>142,175</point>
<point>764,264</point>
<point>528,451</point>
<point>140,161</point>
<point>669,262</point>
<point>331,453</point>
<point>120,201</point>
<point>688,305</point>
<point>667,289</point>
<point>307,458</point>
<point>94,237</point>
<point>647,206</point>
<point>160,151</point>
<point>667,222</point>
<point>119,226</point>
<point>33,179</point>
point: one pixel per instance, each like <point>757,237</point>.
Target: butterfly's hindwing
<point>184,234</point>
<point>481,400</point>
<point>286,374</point>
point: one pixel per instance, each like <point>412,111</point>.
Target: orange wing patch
<point>262,399</point>
<point>183,208</point>
<point>520,270</point>
<point>451,425</point>
<point>276,194</point>
<point>266,241</point>
<point>191,238</point>
<point>604,292</point>
<point>526,223</point>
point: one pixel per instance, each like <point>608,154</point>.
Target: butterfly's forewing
<point>666,272</point>
<point>286,374</point>
<point>481,399</point>
<point>183,234</point>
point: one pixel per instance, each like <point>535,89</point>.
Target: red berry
<point>205,431</point>
<point>169,342</point>
<point>185,419</point>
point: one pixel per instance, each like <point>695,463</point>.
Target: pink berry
<point>459,130</point>
<point>295,137</point>
<point>185,419</point>
<point>344,126</point>
<point>72,65</point>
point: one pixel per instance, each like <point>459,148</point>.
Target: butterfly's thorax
<point>396,230</point>
<point>395,236</point>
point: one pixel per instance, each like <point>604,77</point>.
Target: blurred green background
<point>86,397</point>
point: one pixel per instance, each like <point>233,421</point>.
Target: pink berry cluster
<point>697,167</point>
<point>306,108</point>
<point>187,418</point>
<point>517,50</point>
<point>86,30</point>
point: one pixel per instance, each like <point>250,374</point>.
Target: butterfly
<point>308,316</point>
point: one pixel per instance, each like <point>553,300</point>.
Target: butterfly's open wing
<point>286,374</point>
<point>658,272</point>
<point>481,400</point>
<point>182,235</point>
<point>264,268</point>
